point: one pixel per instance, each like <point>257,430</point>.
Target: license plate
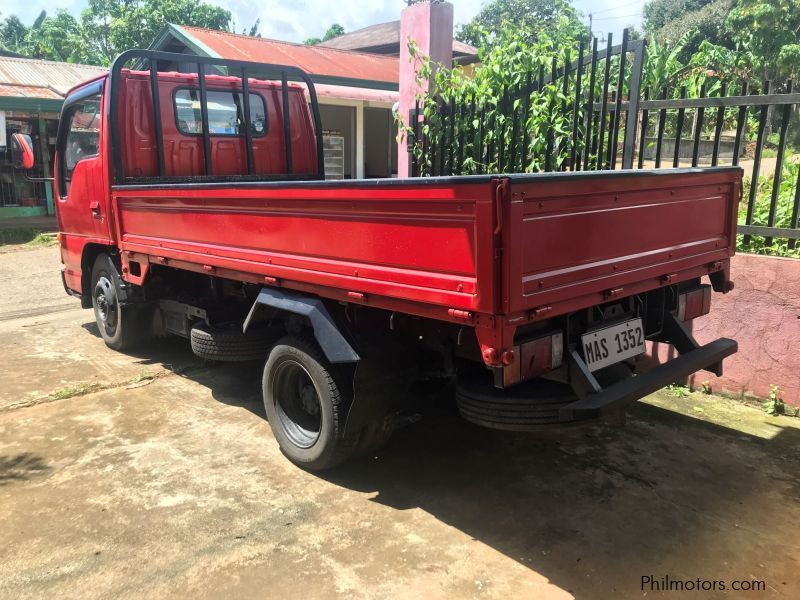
<point>610,345</point>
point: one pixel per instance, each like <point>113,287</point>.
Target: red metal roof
<point>33,78</point>
<point>314,60</point>
<point>27,91</point>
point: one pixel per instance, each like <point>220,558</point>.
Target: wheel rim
<point>297,403</point>
<point>106,306</point>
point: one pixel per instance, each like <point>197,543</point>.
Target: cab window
<point>225,113</point>
<point>82,139</point>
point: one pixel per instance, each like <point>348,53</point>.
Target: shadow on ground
<point>589,508</point>
<point>235,384</point>
<point>21,467</point>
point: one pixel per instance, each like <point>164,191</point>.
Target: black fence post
<point>604,106</point>
<point>679,131</point>
<point>575,155</point>
<point>623,55</point>
<point>643,139</point>
<point>786,114</point>
<point>634,90</point>
<point>698,127</point>
<point>762,123</point>
<point>718,126</point>
<point>587,140</point>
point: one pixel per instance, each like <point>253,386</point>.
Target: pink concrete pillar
<point>430,25</point>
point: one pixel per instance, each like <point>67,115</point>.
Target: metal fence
<point>611,123</point>
<point>770,203</point>
<point>16,190</point>
<point>470,135</point>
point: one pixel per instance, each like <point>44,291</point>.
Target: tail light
<point>694,303</point>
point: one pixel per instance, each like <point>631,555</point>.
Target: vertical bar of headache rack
<point>201,80</point>
<point>248,136</point>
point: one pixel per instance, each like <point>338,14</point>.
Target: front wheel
<point>117,323</point>
<point>306,404</point>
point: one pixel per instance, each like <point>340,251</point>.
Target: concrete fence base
<point>763,314</point>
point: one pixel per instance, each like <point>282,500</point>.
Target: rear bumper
<point>611,399</point>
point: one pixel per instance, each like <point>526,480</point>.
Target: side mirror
<point>22,151</point>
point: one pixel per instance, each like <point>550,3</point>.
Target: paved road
<point>161,478</point>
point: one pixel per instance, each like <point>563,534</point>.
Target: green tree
<point>660,13</point>
<point>50,38</point>
<point>106,28</point>
<point>56,38</point>
<point>333,31</point>
<point>633,32</point>
<point>136,23</point>
<point>670,20</point>
<point>556,18</point>
<point>96,20</point>
<point>12,34</point>
<point>504,65</point>
<point>771,30</point>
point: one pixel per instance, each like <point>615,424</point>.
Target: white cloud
<point>611,15</point>
<point>28,11</point>
<point>296,20</point>
<point>301,19</point>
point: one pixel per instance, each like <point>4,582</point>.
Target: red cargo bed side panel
<point>422,243</point>
<point>577,237</point>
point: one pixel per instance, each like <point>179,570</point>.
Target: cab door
<point>80,174</point>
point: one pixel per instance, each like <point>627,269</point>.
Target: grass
<point>678,391</point>
<point>27,237</point>
<point>42,240</point>
<point>22,235</point>
<point>82,389</point>
<point>142,377</point>
<point>72,391</point>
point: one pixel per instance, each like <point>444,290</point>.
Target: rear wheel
<point>306,405</point>
<point>118,324</point>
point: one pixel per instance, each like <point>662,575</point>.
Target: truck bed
<point>478,244</point>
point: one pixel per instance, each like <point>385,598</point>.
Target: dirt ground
<point>156,475</point>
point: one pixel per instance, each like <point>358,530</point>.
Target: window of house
<point>225,113</point>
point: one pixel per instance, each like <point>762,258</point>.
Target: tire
<point>529,406</point>
<point>226,342</point>
<point>119,324</point>
<point>306,405</point>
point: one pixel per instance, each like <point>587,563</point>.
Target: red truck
<point>195,204</point>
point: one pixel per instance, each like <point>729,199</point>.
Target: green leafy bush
<point>784,210</point>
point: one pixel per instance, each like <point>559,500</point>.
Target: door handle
<point>95,208</point>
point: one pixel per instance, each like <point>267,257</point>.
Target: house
<point>31,94</point>
<point>356,91</point>
<point>384,38</point>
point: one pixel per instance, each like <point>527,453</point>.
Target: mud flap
<point>381,384</point>
<point>336,348</point>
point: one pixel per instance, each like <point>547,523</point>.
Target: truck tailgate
<point>573,240</point>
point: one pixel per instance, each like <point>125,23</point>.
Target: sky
<point>296,20</point>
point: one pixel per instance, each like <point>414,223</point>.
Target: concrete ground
<point>156,475</point>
